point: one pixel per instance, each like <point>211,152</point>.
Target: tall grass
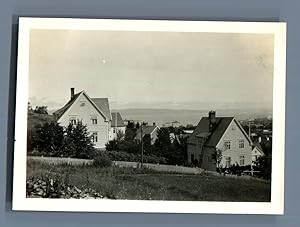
<point>139,183</point>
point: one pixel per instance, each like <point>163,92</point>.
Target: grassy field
<point>129,183</point>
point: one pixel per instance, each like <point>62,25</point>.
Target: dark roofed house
<point>219,133</point>
<point>150,130</point>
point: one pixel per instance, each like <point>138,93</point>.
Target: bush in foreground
<point>102,160</point>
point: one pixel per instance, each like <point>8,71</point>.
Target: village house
<point>92,112</point>
<point>224,134</point>
<point>257,152</point>
<point>117,125</point>
<point>150,130</point>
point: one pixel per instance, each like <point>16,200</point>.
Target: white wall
<point>256,154</point>
<point>85,113</point>
<point>234,134</point>
<point>113,135</point>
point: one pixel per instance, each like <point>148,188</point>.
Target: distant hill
<point>35,119</point>
<point>184,116</point>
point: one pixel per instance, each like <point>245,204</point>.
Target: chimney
<point>72,92</point>
<point>212,116</point>
<point>212,120</point>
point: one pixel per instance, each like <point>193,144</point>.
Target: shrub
<point>77,142</point>
<point>264,165</point>
<point>49,138</point>
<point>102,160</point>
<point>54,140</point>
<point>112,145</point>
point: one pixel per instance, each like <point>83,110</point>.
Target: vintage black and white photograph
<point>155,113</point>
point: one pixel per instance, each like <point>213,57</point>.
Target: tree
<point>174,155</point>
<point>112,145</point>
<point>77,142</point>
<point>41,110</point>
<point>130,134</point>
<point>264,165</point>
<point>163,138</point>
<point>130,125</point>
<point>217,156</point>
<point>29,107</point>
<point>120,135</point>
<point>49,139</point>
<point>147,144</point>
<point>162,142</point>
<point>181,142</point>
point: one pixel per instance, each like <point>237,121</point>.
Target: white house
<point>93,112</point>
<point>257,152</point>
<point>219,133</point>
<point>150,130</point>
<point>117,125</point>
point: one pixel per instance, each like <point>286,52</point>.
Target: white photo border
<point>276,206</point>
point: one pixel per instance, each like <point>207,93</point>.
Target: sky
<point>168,70</point>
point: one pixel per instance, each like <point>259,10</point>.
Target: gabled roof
<point>258,146</point>
<point>212,138</point>
<point>202,130</point>
<point>58,113</point>
<point>147,130</point>
<point>103,105</point>
<point>116,120</point>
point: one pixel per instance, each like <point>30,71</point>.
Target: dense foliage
<point>264,165</point>
<point>54,140</point>
<point>163,150</point>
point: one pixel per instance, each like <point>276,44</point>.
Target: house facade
<point>257,152</point>
<point>223,134</point>
<point>92,112</point>
<point>150,130</point>
<point>117,125</point>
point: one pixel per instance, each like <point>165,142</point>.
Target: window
<point>114,130</point>
<point>73,120</point>
<point>94,121</point>
<point>227,145</point>
<point>242,160</point>
<point>228,161</point>
<point>241,144</point>
<point>82,104</point>
<point>233,127</point>
<point>255,157</point>
<point>94,137</point>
